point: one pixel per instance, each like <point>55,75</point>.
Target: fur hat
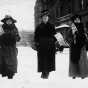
<point>7,17</point>
<point>75,16</point>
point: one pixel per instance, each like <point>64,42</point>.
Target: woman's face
<point>9,21</point>
<point>77,20</point>
<point>45,18</point>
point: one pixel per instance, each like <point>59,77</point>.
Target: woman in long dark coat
<point>8,50</point>
<point>45,43</point>
<point>78,55</point>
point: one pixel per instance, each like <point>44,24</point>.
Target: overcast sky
<point>21,10</point>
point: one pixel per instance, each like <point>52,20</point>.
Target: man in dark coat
<point>45,43</point>
<point>8,50</point>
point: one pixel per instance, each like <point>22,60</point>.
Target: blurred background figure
<point>45,43</point>
<point>78,54</point>
<point>8,50</point>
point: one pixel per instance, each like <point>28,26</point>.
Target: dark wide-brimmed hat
<point>44,12</point>
<point>7,17</point>
<point>75,16</point>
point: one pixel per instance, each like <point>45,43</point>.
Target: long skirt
<point>80,69</point>
<point>46,55</point>
<point>8,61</point>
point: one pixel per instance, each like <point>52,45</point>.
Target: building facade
<point>59,8</point>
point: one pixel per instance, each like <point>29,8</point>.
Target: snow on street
<point>28,77</point>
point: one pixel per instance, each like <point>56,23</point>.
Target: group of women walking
<point>45,42</point>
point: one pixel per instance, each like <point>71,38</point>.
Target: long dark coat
<point>45,43</point>
<point>78,55</point>
<point>8,50</point>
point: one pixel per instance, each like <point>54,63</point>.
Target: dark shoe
<point>45,75</point>
<point>10,76</point>
<point>82,77</point>
<point>4,74</point>
<point>74,77</point>
<point>42,76</point>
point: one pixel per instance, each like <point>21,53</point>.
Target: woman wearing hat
<point>78,55</point>
<point>45,43</point>
<point>8,50</point>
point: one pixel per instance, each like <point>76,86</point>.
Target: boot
<point>73,77</point>
<point>10,75</point>
<point>45,75</point>
<point>4,74</point>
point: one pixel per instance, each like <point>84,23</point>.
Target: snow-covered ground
<point>28,77</point>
